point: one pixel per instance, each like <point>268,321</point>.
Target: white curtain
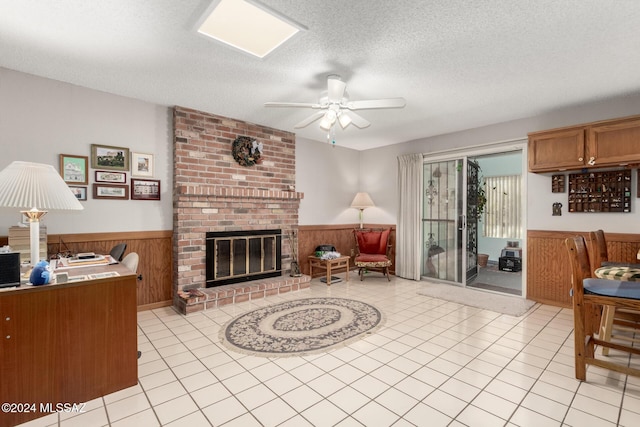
<point>408,237</point>
<point>503,212</point>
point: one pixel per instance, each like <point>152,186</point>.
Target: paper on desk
<point>68,263</point>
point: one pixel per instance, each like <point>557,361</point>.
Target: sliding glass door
<point>449,220</point>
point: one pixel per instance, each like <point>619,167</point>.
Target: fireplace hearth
<point>241,256</point>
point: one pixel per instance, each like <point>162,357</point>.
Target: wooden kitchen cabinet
<point>593,145</point>
<point>615,142</point>
<point>557,150</point>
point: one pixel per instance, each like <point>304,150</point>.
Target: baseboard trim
<point>155,305</point>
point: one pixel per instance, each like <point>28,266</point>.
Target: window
<point>503,211</point>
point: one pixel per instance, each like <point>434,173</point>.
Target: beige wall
<point>379,177</point>
<point>42,118</point>
<point>328,175</point>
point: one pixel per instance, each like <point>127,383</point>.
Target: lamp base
<point>34,216</point>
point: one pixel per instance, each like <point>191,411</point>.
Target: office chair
<point>131,261</point>
<point>118,251</point>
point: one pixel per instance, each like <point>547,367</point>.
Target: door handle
<point>462,220</point>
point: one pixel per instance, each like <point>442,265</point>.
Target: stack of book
<point>20,241</point>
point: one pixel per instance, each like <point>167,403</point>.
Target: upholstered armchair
<point>372,251</point>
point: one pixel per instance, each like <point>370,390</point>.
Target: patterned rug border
<point>222,334</point>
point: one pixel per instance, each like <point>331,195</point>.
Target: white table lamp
<point>361,202</point>
<point>37,188</point>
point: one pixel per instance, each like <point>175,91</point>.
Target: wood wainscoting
<point>340,236</point>
<point>153,247</point>
<point>548,268</point>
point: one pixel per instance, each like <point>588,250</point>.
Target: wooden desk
<point>67,343</point>
<point>328,265</point>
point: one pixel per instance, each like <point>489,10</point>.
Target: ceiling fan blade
<point>336,88</point>
<point>312,118</point>
<point>292,104</point>
<point>377,103</point>
<point>357,120</point>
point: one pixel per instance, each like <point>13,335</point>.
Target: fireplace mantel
<point>236,193</point>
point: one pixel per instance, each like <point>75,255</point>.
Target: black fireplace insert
<point>241,256</point>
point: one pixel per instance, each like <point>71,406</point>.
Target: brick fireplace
<point>214,193</point>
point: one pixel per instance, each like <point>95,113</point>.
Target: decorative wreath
<point>247,151</point>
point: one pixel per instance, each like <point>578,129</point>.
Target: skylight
<point>247,27</point>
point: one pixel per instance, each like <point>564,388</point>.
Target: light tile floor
<point>434,363</point>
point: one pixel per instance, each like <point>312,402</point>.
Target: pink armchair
<point>372,251</point>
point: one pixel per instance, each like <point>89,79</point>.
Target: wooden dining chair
<point>600,252</point>
<point>587,295</point>
<point>624,318</point>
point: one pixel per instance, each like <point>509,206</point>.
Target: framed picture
<point>111,176</point>
<point>79,192</point>
<point>74,169</point>
<point>111,191</point>
<point>141,164</point>
<point>145,189</point>
<point>110,158</point>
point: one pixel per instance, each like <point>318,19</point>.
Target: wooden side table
<point>329,265</point>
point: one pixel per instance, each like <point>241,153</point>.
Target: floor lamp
<point>362,201</point>
<point>38,188</point>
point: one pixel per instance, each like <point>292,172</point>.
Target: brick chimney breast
<point>212,192</point>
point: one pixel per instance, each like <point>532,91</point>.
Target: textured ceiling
<point>459,64</point>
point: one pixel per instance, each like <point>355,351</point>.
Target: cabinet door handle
<point>592,161</point>
<point>580,159</point>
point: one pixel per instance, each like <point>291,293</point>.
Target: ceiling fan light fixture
<point>328,120</point>
<point>324,124</point>
<point>334,105</point>
<point>344,119</point>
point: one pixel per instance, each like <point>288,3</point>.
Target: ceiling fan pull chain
<point>331,135</point>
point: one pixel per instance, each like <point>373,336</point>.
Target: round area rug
<point>300,327</point>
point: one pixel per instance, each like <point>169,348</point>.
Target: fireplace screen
<point>238,256</point>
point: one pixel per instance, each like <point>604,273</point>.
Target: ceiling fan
<point>334,105</point>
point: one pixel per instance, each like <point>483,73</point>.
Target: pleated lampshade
<point>362,201</point>
<point>35,185</point>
